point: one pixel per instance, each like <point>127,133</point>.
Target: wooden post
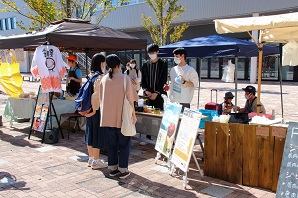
<point>259,77</point>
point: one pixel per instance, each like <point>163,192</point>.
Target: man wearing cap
<point>251,101</point>
<point>227,106</point>
<point>74,77</point>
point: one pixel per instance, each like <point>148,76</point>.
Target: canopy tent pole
<point>236,80</point>
<point>199,89</point>
<point>260,46</point>
<point>280,81</point>
<point>259,77</point>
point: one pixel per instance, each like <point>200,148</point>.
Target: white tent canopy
<point>280,28</point>
<point>274,28</point>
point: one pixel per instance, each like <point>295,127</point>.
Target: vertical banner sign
<point>288,176</point>
<point>168,128</point>
<point>186,138</point>
<point>41,111</point>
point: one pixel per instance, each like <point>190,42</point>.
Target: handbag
<point>127,127</point>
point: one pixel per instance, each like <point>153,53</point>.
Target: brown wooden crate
<point>235,154</point>
<point>222,150</point>
<point>266,146</point>
<point>279,144</point>
<point>250,156</point>
<point>210,149</point>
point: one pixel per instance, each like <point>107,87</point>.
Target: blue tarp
<point>217,46</point>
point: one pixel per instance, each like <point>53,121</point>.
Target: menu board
<point>186,138</point>
<point>168,128</point>
<point>41,111</point>
<point>288,176</point>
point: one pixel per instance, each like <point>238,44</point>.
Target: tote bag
<point>127,128</point>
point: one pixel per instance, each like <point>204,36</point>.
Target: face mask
<point>152,56</point>
<point>132,65</point>
<point>247,96</point>
<point>177,60</point>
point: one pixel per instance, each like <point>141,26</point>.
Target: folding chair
<point>69,117</point>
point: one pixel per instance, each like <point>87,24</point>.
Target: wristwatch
<point>184,82</point>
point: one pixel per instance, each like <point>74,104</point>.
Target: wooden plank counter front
<point>235,153</point>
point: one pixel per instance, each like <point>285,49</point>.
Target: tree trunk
<point>68,9</point>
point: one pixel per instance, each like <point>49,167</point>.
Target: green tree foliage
<point>165,11</point>
<point>43,12</point>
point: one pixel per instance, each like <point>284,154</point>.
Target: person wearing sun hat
<point>74,77</point>
<point>251,101</point>
<point>227,106</point>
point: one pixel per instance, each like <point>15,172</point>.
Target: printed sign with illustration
<point>288,176</point>
<point>186,138</point>
<point>168,128</point>
<point>41,111</point>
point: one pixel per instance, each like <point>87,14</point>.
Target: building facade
<point>199,15</point>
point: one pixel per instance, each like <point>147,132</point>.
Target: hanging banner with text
<point>168,128</point>
<point>186,138</point>
<point>288,176</point>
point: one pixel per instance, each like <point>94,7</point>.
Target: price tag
<point>262,131</point>
<point>279,132</point>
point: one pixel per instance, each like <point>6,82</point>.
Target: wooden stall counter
<point>244,154</point>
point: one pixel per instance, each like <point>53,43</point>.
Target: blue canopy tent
<point>218,46</point>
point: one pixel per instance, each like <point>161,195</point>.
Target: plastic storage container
<point>209,113</point>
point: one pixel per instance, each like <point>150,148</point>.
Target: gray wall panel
<point>199,11</point>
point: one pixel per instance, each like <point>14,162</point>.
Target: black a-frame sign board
<point>43,113</point>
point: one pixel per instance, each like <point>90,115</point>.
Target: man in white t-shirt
<point>184,79</point>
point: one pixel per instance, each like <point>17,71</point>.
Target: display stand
<point>167,132</point>
<point>42,116</point>
<point>185,141</point>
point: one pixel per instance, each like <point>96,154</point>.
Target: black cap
<point>250,89</point>
<point>229,95</point>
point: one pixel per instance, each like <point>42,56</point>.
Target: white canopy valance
<point>274,28</point>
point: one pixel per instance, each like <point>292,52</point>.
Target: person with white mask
<point>184,79</point>
<point>251,101</point>
<point>154,78</point>
<point>134,74</point>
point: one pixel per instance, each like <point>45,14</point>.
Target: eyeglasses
<point>230,98</point>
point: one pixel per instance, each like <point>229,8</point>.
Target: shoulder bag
<point>127,127</point>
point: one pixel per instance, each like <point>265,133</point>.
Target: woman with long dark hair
<point>94,134</point>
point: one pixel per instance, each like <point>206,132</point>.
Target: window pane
<point>8,24</point>
<point>3,24</point>
<point>214,68</point>
<point>204,68</point>
<point>13,21</point>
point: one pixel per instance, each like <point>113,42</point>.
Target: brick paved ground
<point>60,170</point>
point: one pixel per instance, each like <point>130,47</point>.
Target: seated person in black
<point>227,106</point>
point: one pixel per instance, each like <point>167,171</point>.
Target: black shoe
<point>124,175</point>
<point>114,173</point>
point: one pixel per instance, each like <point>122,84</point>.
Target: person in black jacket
<point>154,77</point>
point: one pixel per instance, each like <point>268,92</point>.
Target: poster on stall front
<point>168,128</point>
<point>288,176</point>
<point>41,111</point>
<point>186,138</point>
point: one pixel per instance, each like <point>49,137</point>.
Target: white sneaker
<point>97,164</point>
<point>143,143</point>
<point>89,162</point>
